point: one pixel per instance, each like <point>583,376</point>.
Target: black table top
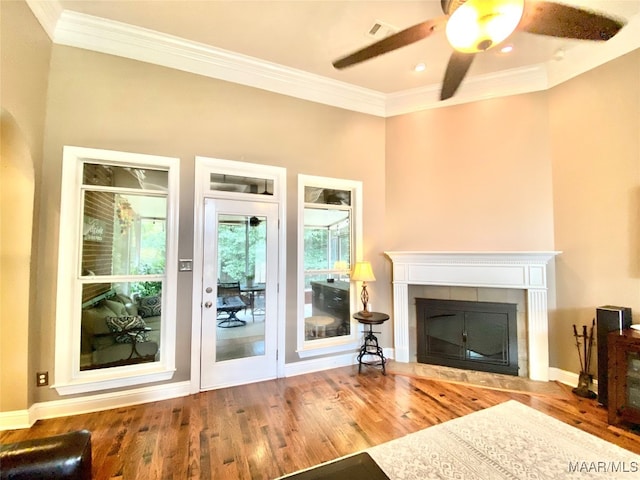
<point>356,467</point>
<point>376,318</point>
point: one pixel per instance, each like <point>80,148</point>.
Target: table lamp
<point>341,265</point>
<point>362,272</point>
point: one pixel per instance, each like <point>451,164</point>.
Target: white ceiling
<point>301,39</point>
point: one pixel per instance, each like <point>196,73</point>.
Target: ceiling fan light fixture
<point>479,25</point>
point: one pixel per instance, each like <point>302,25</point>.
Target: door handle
<point>208,304</point>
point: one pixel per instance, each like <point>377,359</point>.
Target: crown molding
<point>480,87</point>
<point>116,38</point>
<point>47,13</point>
<point>120,39</point>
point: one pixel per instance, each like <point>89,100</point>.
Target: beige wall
<point>24,70</point>
<point>102,101</point>
<point>26,50</point>
<point>471,177</point>
<point>17,186</point>
<point>595,138</point>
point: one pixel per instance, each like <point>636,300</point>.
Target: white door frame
<point>203,167</point>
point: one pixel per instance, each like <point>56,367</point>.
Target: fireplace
<point>529,272</point>
<point>471,335</point>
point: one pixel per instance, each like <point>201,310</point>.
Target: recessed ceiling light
<point>506,49</point>
<point>420,67</point>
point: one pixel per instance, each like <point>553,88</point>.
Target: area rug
<point>508,441</point>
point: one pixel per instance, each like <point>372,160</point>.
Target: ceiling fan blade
<point>556,20</point>
<point>397,40</point>
<point>457,68</point>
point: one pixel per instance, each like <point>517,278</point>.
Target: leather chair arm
<point>66,456</point>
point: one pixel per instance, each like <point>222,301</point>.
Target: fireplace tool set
<point>584,354</point>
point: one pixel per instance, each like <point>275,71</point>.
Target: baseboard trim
<point>105,401</point>
<point>14,420</point>
<point>568,378</point>
<point>319,364</point>
<point>93,403</point>
<point>326,363</point>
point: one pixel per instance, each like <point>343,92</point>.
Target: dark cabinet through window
<point>331,300</point>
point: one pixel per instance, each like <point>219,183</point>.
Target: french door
<point>239,292</point>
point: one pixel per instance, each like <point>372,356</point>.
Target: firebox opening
<point>464,334</point>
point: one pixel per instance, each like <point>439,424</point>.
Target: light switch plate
<point>185,265</point>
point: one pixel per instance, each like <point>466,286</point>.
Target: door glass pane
<point>443,331</point>
<point>487,337</point>
<point>242,263</point>
<point>633,379</point>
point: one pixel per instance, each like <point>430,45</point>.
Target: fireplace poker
<point>588,358</point>
<point>584,347</point>
<point>577,337</point>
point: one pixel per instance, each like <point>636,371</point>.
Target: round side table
<point>318,325</point>
<point>371,346</point>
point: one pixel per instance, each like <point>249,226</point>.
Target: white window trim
<point>310,348</point>
<point>68,377</point>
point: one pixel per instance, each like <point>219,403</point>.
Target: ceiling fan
<point>473,26</point>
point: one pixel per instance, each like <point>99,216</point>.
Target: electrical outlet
<point>42,379</point>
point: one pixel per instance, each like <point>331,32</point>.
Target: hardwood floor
<point>268,429</point>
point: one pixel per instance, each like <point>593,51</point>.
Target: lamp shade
<point>362,272</point>
<point>340,265</point>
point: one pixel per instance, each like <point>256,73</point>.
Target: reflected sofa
<point>117,330</point>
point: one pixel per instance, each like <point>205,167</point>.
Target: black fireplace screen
<point>472,335</point>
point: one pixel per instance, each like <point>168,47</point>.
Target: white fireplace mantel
<point>519,270</point>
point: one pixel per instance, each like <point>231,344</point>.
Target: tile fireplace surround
<point>529,271</point>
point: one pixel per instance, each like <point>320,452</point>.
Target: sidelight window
<point>115,322</point>
<point>329,229</point>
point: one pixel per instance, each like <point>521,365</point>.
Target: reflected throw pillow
<point>133,324</point>
<point>149,306</point>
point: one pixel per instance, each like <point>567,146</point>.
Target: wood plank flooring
<point>268,429</point>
